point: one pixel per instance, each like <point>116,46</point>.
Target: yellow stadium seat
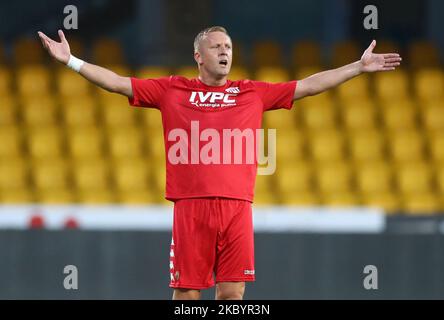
<point>159,176</point>
<point>239,73</point>
<point>391,85</point>
<point>152,119</point>
<point>39,112</point>
<point>51,174</point>
<point>264,190</point>
<point>423,54</point>
<point>85,142</point>
<point>33,81</point>
<point>5,81</point>
<point>96,196</point>
<point>440,177</point>
<point>16,196</point>
<point>267,53</point>
<point>46,142</point>
<point>139,197</point>
<point>432,115</point>
<point>153,72</point>
<point>264,198</point>
<point>414,178</point>
<point>386,46</point>
<point>319,116</point>
<point>356,89</point>
<point>189,72</point>
<point>14,174</point>
<point>333,177</point>
<point>79,111</point>
<point>385,200</point>
<point>437,146</point>
<point>326,145</point>
<point>132,174</point>
<point>399,114</point>
<point>304,72</point>
<point>324,99</point>
<point>28,51</point>
<point>107,51</point>
<point>71,84</point>
<point>345,52</point>
<point>290,145</point>
<point>11,142</point>
<point>125,142</point>
<point>406,145</point>
<point>367,145</point>
<point>271,74</point>
<point>429,84</point>
<point>302,199</point>
<point>359,115</point>
<point>116,111</point>
<point>340,199</point>
<point>55,196</point>
<point>423,203</point>
<point>155,143</point>
<point>91,174</point>
<point>279,120</point>
<point>306,54</point>
<point>374,178</point>
<point>295,177</point>
<point>8,111</point>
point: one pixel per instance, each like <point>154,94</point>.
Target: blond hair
<point>206,31</point>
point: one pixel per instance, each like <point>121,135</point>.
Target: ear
<point>198,58</point>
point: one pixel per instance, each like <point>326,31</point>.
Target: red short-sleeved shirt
<point>210,132</point>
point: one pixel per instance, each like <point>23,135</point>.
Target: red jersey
<point>210,132</point>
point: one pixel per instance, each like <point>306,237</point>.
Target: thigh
<point>235,243</point>
<point>192,254</point>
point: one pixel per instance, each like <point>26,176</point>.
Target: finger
<point>391,55</point>
<point>393,60</point>
<point>388,68</point>
<point>394,64</point>
<point>45,37</point>
<point>62,36</point>
<point>372,46</point>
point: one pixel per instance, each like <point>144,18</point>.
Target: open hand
<point>58,50</point>
<point>372,62</point>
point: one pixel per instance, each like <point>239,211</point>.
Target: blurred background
<point>371,149</point>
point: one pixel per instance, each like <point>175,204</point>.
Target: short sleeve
<point>275,95</point>
<point>148,93</point>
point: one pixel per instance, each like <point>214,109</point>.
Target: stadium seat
<point>429,84</point>
<point>334,177</point>
<point>33,81</point>
<point>125,142</point>
<point>422,203</point>
<point>91,175</point>
<point>306,54</point>
<point>423,54</point>
<point>28,51</point>
<point>437,146</point>
<point>414,178</point>
<point>16,196</point>
<point>107,51</point>
<point>117,113</point>
<point>55,196</point>
<point>96,196</point>
<point>367,145</point>
<point>85,142</point>
<point>45,143</point>
<point>387,46</point>
<point>358,115</point>
<point>239,73</point>
<point>304,72</point>
<point>79,111</point>
<point>14,174</point>
<point>326,145</point>
<point>345,52</point>
<point>11,142</point>
<point>374,177</point>
<point>70,84</point>
<point>132,174</point>
<point>432,115</point>
<point>398,114</point>
<point>8,111</point>
<point>295,177</point>
<point>385,200</point>
<point>356,89</point>
<point>440,177</point>
<point>51,174</point>
<point>5,81</point>
<point>153,72</point>
<point>279,119</point>
<point>290,145</point>
<point>189,72</point>
<point>141,197</point>
<point>391,85</point>
<point>152,119</point>
<point>340,199</point>
<point>39,112</point>
<point>301,199</point>
<point>267,53</point>
<point>319,116</point>
<point>406,145</point>
<point>271,74</point>
<point>155,145</point>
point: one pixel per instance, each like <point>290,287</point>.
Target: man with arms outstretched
<point>212,228</point>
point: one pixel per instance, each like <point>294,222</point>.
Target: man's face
<point>215,54</point>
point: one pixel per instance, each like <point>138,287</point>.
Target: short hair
<point>206,31</point>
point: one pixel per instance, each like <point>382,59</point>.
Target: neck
<point>212,81</point>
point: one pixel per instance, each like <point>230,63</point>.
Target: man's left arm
<point>370,62</point>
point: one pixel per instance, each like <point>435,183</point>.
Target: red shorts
<point>211,235</point>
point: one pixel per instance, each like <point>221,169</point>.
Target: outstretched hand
<point>58,50</point>
<point>372,62</point>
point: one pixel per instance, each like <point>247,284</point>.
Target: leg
<point>230,290</point>
<point>186,294</point>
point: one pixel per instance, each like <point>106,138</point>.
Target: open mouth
<point>223,62</point>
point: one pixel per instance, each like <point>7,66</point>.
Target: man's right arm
<point>101,77</point>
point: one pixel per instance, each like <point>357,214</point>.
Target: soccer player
<point>212,193</point>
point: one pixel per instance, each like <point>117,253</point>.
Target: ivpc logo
<point>214,99</point>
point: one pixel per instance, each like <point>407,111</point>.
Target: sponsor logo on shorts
<point>176,276</point>
<point>249,272</point>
